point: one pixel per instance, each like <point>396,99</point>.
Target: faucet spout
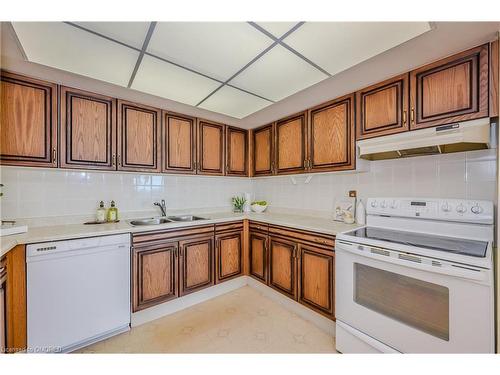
<point>163,207</point>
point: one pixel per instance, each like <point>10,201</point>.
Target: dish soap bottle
<point>112,212</point>
<point>101,213</point>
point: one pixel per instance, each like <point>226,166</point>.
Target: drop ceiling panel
<point>218,49</point>
<point>277,28</point>
<point>336,46</point>
<point>131,33</point>
<point>160,78</point>
<point>65,47</point>
<point>278,74</point>
<point>233,102</point>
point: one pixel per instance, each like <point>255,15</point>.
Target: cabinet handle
<point>113,160</point>
<point>176,252</point>
<point>119,159</point>
<point>412,115</point>
<point>404,117</point>
<point>54,155</point>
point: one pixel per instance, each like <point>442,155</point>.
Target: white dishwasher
<point>78,292</point>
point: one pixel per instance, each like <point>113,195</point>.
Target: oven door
<point>414,307</point>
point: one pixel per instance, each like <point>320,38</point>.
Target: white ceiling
<point>232,68</point>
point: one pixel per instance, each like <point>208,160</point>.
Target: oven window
<point>417,303</point>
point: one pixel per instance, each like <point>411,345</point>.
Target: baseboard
<point>182,303</point>
<point>315,318</point>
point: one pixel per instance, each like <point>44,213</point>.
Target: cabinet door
<point>494,78</point>
<point>331,136</point>
<point>179,143</point>
<point>228,255</point>
<point>138,137</point>
<point>283,266</point>
<point>291,144</point>
<point>236,152</point>
<point>450,90</point>
<point>258,256</point>
<point>196,264</point>
<point>154,275</point>
<point>382,109</point>
<point>88,130</point>
<point>263,151</point>
<point>28,119</point>
<point>210,148</point>
<point>316,281</point>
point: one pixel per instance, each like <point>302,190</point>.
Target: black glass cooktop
<point>453,245</point>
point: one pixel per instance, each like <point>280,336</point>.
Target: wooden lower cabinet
<point>258,256</point>
<point>155,274</point>
<point>283,266</point>
<point>229,251</point>
<point>196,263</point>
<point>316,279</point>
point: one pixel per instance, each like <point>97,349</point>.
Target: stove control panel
<point>476,211</point>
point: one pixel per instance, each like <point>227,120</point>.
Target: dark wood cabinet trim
<point>265,261</point>
<point>66,161</point>
<point>201,169</point>
<point>401,83</point>
<point>167,166</point>
<point>350,161</point>
<point>270,170</point>
<point>301,168</point>
<point>49,160</point>
<point>477,60</point>
<point>183,244</point>
<point>292,293</point>
<point>218,269</point>
<point>229,171</point>
<point>122,161</point>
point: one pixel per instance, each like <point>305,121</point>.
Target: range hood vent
<point>444,139</point>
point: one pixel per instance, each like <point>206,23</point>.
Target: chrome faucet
<point>163,207</point>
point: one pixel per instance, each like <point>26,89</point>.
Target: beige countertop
<point>71,231</point>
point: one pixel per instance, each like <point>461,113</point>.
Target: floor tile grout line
<point>284,45</point>
<point>145,44</point>
<point>165,60</point>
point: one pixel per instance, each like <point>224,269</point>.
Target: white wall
<point>32,192</point>
<point>460,175</point>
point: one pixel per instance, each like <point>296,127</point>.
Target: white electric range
<point>418,278</point>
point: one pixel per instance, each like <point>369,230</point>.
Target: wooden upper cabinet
<point>283,266</point>
<point>88,130</point>
<point>28,119</point>
<point>196,264</point>
<point>179,143</point>
<point>331,136</point>
<point>139,147</point>
<point>154,275</point>
<point>291,144</point>
<point>382,109</point>
<point>236,152</point>
<point>229,255</point>
<point>210,148</point>
<point>450,90</point>
<point>494,78</point>
<point>258,256</point>
<point>263,150</point>
<point>316,281</point>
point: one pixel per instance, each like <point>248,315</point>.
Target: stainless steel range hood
<point>464,136</point>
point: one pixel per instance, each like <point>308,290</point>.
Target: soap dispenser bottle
<point>101,213</point>
<point>112,212</point>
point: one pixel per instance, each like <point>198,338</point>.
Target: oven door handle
<point>461,272</point>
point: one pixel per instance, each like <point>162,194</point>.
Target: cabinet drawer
<point>233,226</point>
<point>304,236</point>
<point>256,226</point>
<point>166,235</point>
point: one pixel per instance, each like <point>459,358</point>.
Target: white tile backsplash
<point>33,193</point>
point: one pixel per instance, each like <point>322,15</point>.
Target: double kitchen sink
<point>165,220</point>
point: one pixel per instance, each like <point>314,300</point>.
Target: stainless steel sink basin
<point>186,218</point>
<point>151,221</point>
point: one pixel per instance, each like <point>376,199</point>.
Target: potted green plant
<point>238,203</point>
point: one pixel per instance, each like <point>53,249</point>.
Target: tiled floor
<point>242,321</point>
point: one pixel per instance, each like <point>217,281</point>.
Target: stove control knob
<point>446,207</point>
<point>383,204</point>
<point>461,209</point>
<point>374,204</point>
<point>476,209</point>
